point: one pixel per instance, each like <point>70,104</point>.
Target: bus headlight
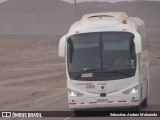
<point>132,90</point>
<point>73,93</point>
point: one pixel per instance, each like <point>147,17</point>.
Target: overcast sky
<point>112,1</point>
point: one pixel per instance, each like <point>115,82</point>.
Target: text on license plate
<point>102,100</point>
<point>90,86</point>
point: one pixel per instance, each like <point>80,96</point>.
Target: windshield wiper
<point>102,70</point>
<point>128,75</point>
<point>105,70</point>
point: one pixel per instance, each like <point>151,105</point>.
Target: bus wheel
<point>78,113</point>
<point>136,108</point>
<point>145,103</point>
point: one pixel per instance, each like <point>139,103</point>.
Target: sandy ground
<point>29,74</point>
<point>29,78</point>
<point>34,79</point>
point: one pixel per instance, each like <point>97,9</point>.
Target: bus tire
<point>145,103</point>
<point>136,108</point>
<point>78,113</point>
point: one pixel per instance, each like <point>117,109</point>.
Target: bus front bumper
<point>103,105</point>
<point>112,103</point>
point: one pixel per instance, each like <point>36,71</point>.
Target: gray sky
<point>112,1</point>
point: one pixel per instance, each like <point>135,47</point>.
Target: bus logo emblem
<point>102,87</point>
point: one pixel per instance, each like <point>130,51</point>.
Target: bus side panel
<point>144,73</point>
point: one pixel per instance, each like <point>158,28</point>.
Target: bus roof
<point>105,21</point>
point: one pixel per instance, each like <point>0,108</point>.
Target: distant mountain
<point>111,1</point>
<point>148,11</point>
<point>55,16</point>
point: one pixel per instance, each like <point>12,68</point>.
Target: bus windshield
<point>101,56</point>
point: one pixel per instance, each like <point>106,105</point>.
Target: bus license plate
<point>102,100</point>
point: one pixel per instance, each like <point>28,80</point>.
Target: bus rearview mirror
<point>138,43</point>
<point>62,46</point>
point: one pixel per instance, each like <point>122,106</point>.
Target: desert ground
<point>30,70</point>
<point>32,77</point>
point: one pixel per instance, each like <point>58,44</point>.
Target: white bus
<point>106,62</point>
